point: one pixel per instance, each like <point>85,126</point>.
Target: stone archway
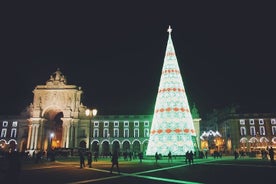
<point>53,131</point>
<point>56,106</point>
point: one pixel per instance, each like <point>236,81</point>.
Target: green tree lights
<point>172,125</point>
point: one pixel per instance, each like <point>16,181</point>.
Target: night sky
<point>115,51</point>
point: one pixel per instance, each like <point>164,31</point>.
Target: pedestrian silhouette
<point>170,157</point>
<point>114,161</point>
<point>82,159</point>
<point>156,157</point>
<point>140,155</point>
<point>271,154</point>
<point>89,159</point>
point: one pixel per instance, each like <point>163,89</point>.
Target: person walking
<point>140,155</point>
<point>156,157</point>
<point>89,159</point>
<point>114,161</point>
<point>271,154</point>
<point>82,159</point>
<point>170,157</point>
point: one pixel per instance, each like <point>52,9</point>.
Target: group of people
<point>189,157</point>
<point>82,159</point>
<point>114,160</point>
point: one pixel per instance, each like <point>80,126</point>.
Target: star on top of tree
<point>169,29</point>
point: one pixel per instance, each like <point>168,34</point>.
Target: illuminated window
<point>262,130</point>
<point>106,124</point>
<point>261,121</point>
<point>136,123</point>
<point>14,124</point>
<point>273,121</point>
<point>126,124</point>
<point>96,132</point>
<point>13,132</point>
<point>4,132</point>
<point>116,123</point>
<point>146,132</point>
<point>251,121</point>
<point>252,131</point>
<point>105,133</point>
<point>116,132</point>
<point>243,131</point>
<point>146,123</point>
<point>126,132</point>
<point>242,122</point>
<point>273,130</point>
<point>5,123</point>
<point>136,132</point>
<point>96,124</point>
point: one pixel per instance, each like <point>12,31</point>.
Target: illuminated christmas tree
<point>172,125</point>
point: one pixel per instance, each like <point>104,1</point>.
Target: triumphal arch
<point>55,114</point>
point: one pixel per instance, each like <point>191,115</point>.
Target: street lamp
<point>90,113</point>
<point>51,139</point>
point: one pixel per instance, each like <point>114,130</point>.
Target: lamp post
<point>90,113</point>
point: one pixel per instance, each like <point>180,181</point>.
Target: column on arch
<point>65,132</point>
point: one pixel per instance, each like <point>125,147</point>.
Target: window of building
<point>243,131</point>
<point>262,130</point>
<point>146,132</point>
<point>136,132</point>
<point>242,122</point>
<point>136,123</point>
<point>146,124</point>
<point>273,121</point>
<point>252,131</point>
<point>105,133</point>
<point>273,130</point>
<point>3,132</point>
<point>13,132</point>
<point>106,124</point>
<point>116,123</point>
<point>96,133</point>
<point>5,124</point>
<point>126,124</point>
<point>261,121</point>
<point>96,124</point>
<point>116,132</point>
<point>82,133</point>
<point>14,124</point>
<point>251,121</point>
<point>126,132</point>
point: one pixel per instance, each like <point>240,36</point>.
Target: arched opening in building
<point>126,146</point>
<point>12,145</point>
<point>82,144</point>
<point>116,146</point>
<point>145,146</point>
<point>95,147</point>
<point>136,147</point>
<point>53,129</point>
<point>105,149</point>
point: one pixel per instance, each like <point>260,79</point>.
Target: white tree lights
<point>172,125</point>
